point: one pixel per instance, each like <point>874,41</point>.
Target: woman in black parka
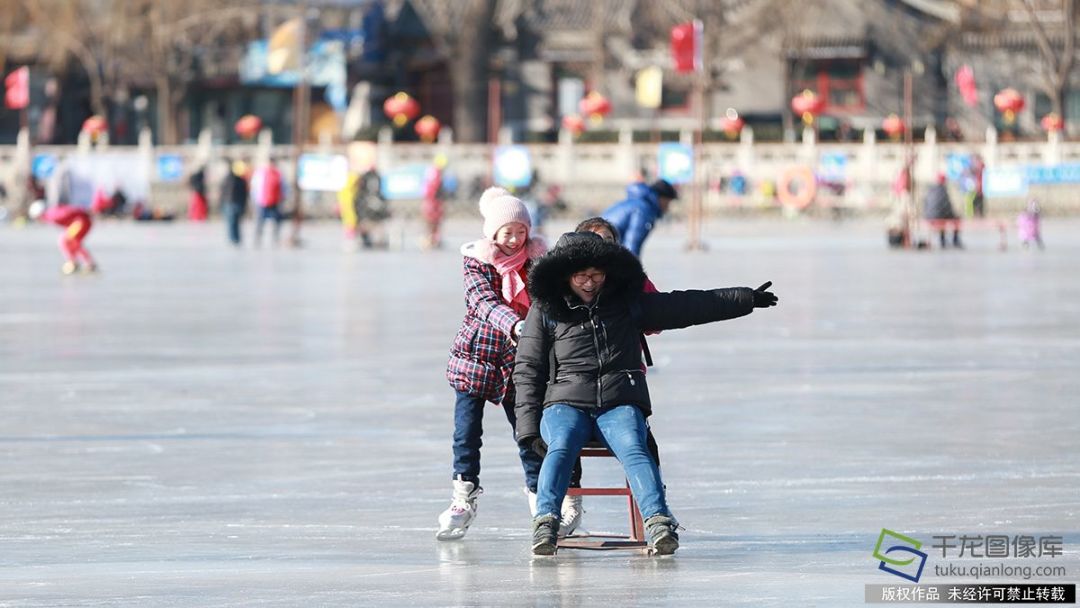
<point>578,370</point>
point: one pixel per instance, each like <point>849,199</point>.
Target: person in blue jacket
<point>635,216</point>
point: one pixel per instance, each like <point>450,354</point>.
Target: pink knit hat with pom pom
<point>500,208</point>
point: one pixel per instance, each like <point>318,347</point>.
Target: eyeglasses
<point>580,278</point>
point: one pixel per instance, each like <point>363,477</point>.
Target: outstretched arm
<point>678,309</point>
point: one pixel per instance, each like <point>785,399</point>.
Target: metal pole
<point>909,160</point>
<point>693,242</point>
<point>301,99</point>
<point>695,216</point>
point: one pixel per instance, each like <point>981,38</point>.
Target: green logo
<point>898,543</point>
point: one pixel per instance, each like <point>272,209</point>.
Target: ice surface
<point>203,426</point>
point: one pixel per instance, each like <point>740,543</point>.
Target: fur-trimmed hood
<point>549,279</point>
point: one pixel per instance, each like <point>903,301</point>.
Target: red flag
<point>686,46</point>
<point>17,85</point>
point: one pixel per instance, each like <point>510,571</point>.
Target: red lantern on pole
<point>807,105</point>
<point>1052,122</point>
<point>1009,102</point>
<point>401,108</point>
<point>428,128</point>
<point>248,126</point>
<point>893,126</point>
<point>574,124</point>
<point>95,126</point>
<point>595,106</point>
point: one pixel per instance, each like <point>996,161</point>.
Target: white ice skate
<point>571,515</point>
<point>532,501</point>
<point>454,522</point>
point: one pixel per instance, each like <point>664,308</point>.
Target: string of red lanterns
<point>1052,122</point>
<point>248,126</point>
<point>428,128</point>
<point>95,126</point>
<point>401,108</point>
<point>807,105</point>
<point>1009,101</point>
<point>893,126</point>
<point>595,106</point>
<point>574,123</point>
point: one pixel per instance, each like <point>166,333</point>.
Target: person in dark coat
<point>578,370</point>
<point>636,215</point>
<point>234,198</point>
<point>937,208</point>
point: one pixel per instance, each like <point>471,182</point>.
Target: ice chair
<point>636,538</point>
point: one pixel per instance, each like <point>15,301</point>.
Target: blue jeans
<point>233,214</point>
<point>468,429</point>
<point>622,429</point>
<point>272,213</point>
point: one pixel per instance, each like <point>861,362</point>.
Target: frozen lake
<point>203,426</point>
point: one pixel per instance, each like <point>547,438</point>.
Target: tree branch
<point>1044,41</point>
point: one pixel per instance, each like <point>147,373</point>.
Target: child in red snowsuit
<point>76,223</point>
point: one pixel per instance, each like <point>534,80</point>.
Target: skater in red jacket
<point>76,223</point>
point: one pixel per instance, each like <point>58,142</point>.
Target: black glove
<point>764,298</point>
<point>540,446</point>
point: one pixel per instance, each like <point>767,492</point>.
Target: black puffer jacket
<point>590,356</point>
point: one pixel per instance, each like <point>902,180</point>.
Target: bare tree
<point>1058,55</point>
<point>177,34</point>
<point>464,31</point>
<point>130,44</point>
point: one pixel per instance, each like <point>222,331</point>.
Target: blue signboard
<point>404,183</point>
<point>676,163</point>
<point>1005,181</point>
<point>325,65</point>
<point>957,165</point>
<point>1053,174</point>
<point>322,172</point>
<point>170,167</point>
<point>832,167</point>
<point>43,166</point>
<point>1014,181</point>
<point>513,166</point>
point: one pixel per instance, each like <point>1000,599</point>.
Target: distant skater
<point>76,224</point>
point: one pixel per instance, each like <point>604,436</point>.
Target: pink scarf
<point>509,268</point>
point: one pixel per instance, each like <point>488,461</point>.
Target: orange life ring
<point>808,187</point>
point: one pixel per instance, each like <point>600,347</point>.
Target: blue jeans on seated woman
<point>566,429</point>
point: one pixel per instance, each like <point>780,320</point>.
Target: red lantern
<point>428,128</point>
<point>401,108</point>
<point>1052,122</point>
<point>893,126</point>
<point>595,106</point>
<point>807,105</point>
<point>1009,102</point>
<point>248,126</point>
<point>95,126</point>
<point>732,126</point>
<point>574,124</point>
<point>684,47</point>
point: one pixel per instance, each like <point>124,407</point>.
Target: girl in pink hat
<point>482,355</point>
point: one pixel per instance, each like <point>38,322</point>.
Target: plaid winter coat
<point>482,356</point>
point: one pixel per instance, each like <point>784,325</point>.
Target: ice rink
<point>204,426</point>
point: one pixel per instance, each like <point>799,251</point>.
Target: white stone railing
<point>593,175</point>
